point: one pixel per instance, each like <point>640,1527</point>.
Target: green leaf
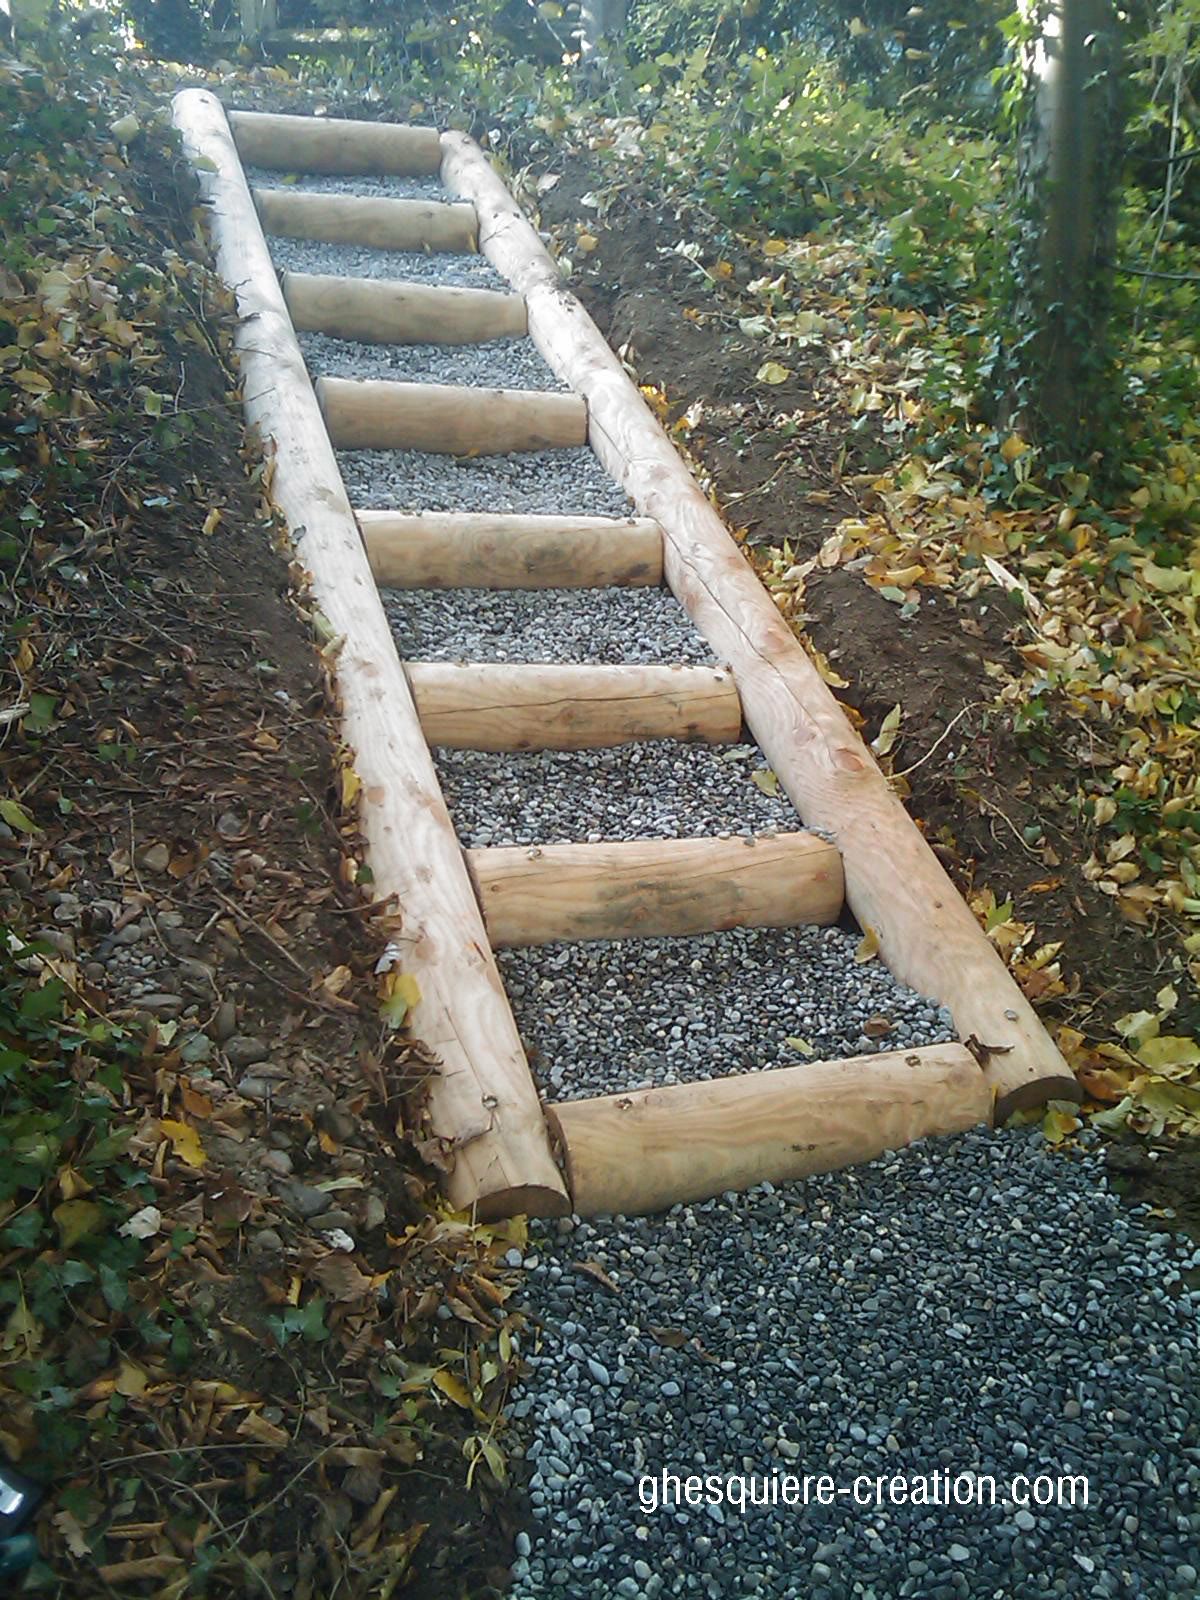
<point>17,817</point>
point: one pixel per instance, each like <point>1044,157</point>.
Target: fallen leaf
<point>868,947</point>
<point>763,778</point>
<point>185,1142</point>
<point>888,729</point>
<point>76,1219</point>
<point>593,1269</point>
<point>773,372</point>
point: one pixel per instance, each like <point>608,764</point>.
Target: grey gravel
<point>392,188</point>
<point>361,261</point>
<point>1011,1280</point>
<point>499,364</point>
<point>625,1014</point>
<point>657,789</point>
<point>565,625</point>
<point>570,481</point>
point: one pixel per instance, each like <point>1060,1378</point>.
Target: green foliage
<point>66,1186</point>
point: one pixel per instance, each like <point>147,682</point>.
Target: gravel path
<point>360,261</point>
<point>582,625</point>
<point>977,1305</point>
<point>629,1013</point>
<point>499,364</point>
<point>656,789</point>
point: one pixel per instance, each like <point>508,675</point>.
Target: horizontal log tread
<point>481,550</point>
<point>650,888</point>
<point>334,144</point>
<point>650,1149</point>
<point>376,414</point>
<point>375,222</point>
<point>391,311</point>
<point>538,706</point>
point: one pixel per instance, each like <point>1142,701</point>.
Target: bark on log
<point>649,1149</point>
<point>369,220</point>
<point>376,414</point>
<point>894,883</point>
<point>334,144</point>
<point>467,705</point>
<point>486,550</point>
<point>656,887</point>
<point>483,1104</point>
<point>386,311</point>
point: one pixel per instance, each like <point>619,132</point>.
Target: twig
<point>975,705</point>
<point>244,916</point>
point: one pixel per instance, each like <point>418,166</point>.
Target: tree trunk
<point>258,18</point>
<point>1069,168</point>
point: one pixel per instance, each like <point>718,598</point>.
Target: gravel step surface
<point>360,261</point>
<point>604,1016</point>
<point>656,789</point>
<point>498,364</point>
<point>617,626</point>
<point>976,1305</point>
<point>567,482</point>
<point>418,188</point>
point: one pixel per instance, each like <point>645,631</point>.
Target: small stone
<point>157,857</point>
<point>278,1162</point>
<point>599,1371</point>
<point>243,1050</point>
<point>303,1200</point>
<point>224,1023</point>
<point>161,1003</point>
<point>266,1242</point>
<point>1025,1520</point>
<point>374,1213</point>
<point>252,1088</point>
<point>522,1544</point>
<point>959,1552</point>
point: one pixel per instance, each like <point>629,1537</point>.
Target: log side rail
<point>372,221</point>
<point>895,885</point>
<point>507,550</point>
<point>483,1104</point>
<point>649,1149</point>
<point>485,705</point>
<point>649,888</point>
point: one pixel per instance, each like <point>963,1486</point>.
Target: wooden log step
<point>387,311</point>
<point>650,887</point>
<point>370,220</point>
<point>650,1149</point>
<point>377,414</point>
<point>334,144</point>
<point>485,550</point>
<point>483,1106</point>
<point>511,706</point>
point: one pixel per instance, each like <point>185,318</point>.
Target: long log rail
<point>640,1150</point>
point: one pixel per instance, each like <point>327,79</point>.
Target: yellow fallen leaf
<point>1169,1050</point>
<point>351,784</point>
<point>888,729</point>
<point>185,1142</point>
<point>868,947</point>
<point>211,521</point>
<point>586,243</point>
<point>453,1388</point>
<point>131,1379</point>
<point>75,1219</point>
<point>765,780</point>
<point>1013,447</point>
<point>774,247</point>
<point>772,372</point>
<point>1165,580</point>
